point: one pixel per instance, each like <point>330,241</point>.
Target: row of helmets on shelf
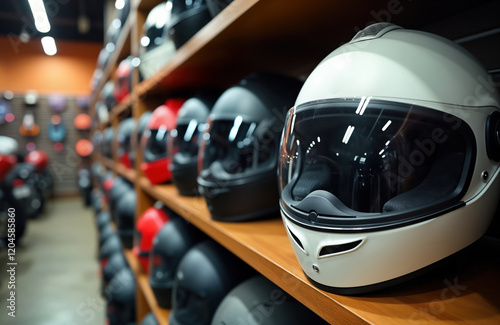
<point>199,280</point>
<point>392,137</point>
<point>168,26</point>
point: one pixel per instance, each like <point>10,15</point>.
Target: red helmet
<point>37,158</point>
<point>123,76</point>
<point>6,164</point>
<point>154,142</point>
<point>82,121</point>
<point>84,147</point>
<point>148,225</point>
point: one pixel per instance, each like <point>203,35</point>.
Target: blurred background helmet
<point>82,122</point>
<point>385,158</point>
<point>136,137</point>
<point>259,301</point>
<point>205,275</point>
<point>153,30</point>
<point>57,103</point>
<point>107,144</point>
<point>239,151</point>
<point>187,18</point>
<point>156,165</point>
<point>169,246</point>
<point>126,218</point>
<point>125,131</point>
<point>184,144</point>
<point>115,264</point>
<point>149,319</point>
<point>120,296</point>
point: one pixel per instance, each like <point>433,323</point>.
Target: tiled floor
<point>57,279</point>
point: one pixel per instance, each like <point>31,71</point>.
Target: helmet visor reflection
<point>373,156</point>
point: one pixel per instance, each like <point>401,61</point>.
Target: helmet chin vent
<point>334,249</point>
<point>296,239</point>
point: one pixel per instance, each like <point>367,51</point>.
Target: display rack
<point>291,37</point>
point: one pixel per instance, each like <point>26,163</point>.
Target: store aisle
<point>57,279</point>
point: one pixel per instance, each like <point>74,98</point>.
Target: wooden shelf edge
<point>142,282</point>
<point>298,287</point>
<point>117,167</point>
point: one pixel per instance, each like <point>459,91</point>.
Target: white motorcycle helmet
<point>389,160</point>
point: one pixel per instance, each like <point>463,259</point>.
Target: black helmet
<point>126,218</point>
<point>205,275</point>
<point>111,246</point>
<point>135,139</point>
<point>110,39</point>
<point>97,170</point>
<point>153,30</point>
<point>259,301</point>
<point>115,264</point>
<point>120,294</point>
<point>85,186</point>
<point>239,150</point>
<point>150,319</point>
<point>103,218</point>
<point>184,143</point>
<point>216,6</point>
<point>105,233</point>
<point>107,146</point>
<point>119,188</point>
<point>96,199</point>
<point>169,246</point>
<point>125,131</point>
<point>187,18</point>
<point>108,94</point>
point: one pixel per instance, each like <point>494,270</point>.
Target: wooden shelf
<point>117,167</point>
<point>142,281</point>
<point>264,245</point>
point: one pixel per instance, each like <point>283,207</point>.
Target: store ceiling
<point>15,16</point>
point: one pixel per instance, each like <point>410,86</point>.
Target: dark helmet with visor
<point>169,246</point>
<point>205,275</point>
<point>184,144</point>
<point>259,301</point>
<point>125,131</point>
<point>239,150</point>
<point>384,159</point>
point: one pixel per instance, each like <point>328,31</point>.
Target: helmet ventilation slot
<point>334,249</point>
<point>296,239</point>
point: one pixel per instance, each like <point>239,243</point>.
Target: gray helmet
<point>150,319</point>
<point>120,294</point>
<point>125,210</point>
<point>169,246</point>
<point>116,263</point>
<point>258,301</point>
<point>205,275</point>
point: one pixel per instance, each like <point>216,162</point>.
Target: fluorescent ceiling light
<point>49,45</point>
<point>40,15</point>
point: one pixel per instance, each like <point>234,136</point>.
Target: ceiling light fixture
<point>40,15</point>
<point>49,45</point>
